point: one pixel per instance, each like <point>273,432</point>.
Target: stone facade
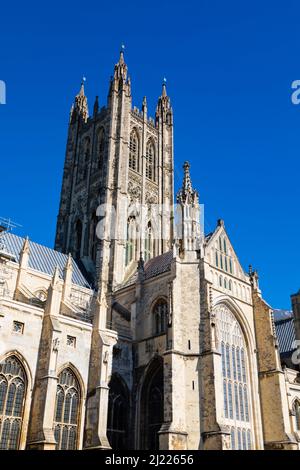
<point>143,337</point>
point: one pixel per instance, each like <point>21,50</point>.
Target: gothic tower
<point>117,191</point>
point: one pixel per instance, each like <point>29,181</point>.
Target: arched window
<point>131,241</point>
<point>150,160</point>
<point>13,385</point>
<point>297,414</point>
<point>93,237</point>
<point>117,421</point>
<point>100,146</point>
<point>160,317</point>
<point>152,406</point>
<point>86,156</point>
<point>148,243</point>
<point>78,236</point>
<point>237,403</point>
<point>133,151</point>
<point>66,418</point>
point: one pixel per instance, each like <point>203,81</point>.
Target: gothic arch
<point>68,413</point>
<point>151,158</point>
<point>151,404</point>
<point>134,149</point>
<point>239,375</point>
<point>241,318</point>
<point>14,422</point>
<point>118,413</point>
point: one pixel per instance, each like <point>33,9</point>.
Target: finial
<point>144,102</point>
<point>25,248</point>
<point>164,88</point>
<point>121,60</point>
<point>141,263</point>
<point>83,80</point>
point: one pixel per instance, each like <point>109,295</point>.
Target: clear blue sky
<point>229,67</point>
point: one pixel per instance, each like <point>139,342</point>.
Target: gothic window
<point>86,156</point>
<point>133,151</point>
<point>100,148</point>
<point>152,406</point>
<point>131,241</point>
<point>12,397</point>
<point>66,419</point>
<point>297,414</point>
<point>78,236</point>
<point>148,243</point>
<point>237,406</point>
<point>150,161</point>
<point>93,237</point>
<point>117,420</point>
<point>160,317</point>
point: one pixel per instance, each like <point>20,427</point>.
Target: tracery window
<point>237,403</point>
<point>297,414</point>
<point>133,151</point>
<point>160,317</point>
<point>150,161</point>
<point>117,419</point>
<point>66,419</point>
<point>13,385</point>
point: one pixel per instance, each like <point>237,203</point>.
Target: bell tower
<point>117,192</point>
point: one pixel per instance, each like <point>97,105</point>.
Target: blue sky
<point>229,67</point>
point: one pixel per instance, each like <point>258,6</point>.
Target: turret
<point>188,214</point>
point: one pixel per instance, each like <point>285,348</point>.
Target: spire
<point>164,109</point>
<point>164,88</point>
<point>187,194</point>
<point>81,105</point>
<point>121,67</point>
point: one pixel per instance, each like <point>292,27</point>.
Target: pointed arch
<point>67,414</point>
<point>14,383</point>
<point>236,372</point>
<point>118,413</point>
<point>150,160</point>
<point>160,316</point>
<point>151,404</point>
<point>134,150</point>
<point>296,411</point>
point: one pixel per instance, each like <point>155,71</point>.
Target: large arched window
<point>150,160</point>
<point>66,419</point>
<point>13,385</point>
<point>134,151</point>
<point>118,411</point>
<point>100,146</point>
<point>78,237</point>
<point>237,403</point>
<point>160,317</point>
<point>297,414</point>
<point>152,406</point>
<point>131,241</point>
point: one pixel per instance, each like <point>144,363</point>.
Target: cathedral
<point>138,331</point>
